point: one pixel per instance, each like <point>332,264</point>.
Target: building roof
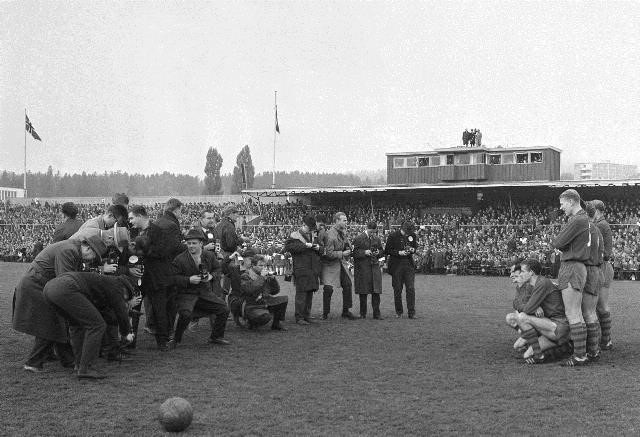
<point>485,149</point>
<point>301,191</point>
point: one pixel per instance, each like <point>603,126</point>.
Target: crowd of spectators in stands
<point>485,241</point>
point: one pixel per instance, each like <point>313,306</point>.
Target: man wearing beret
<point>196,273</point>
<point>33,315</point>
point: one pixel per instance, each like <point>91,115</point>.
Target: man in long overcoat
<point>33,315</point>
<point>367,249</point>
<point>196,272</point>
<point>335,268</point>
<point>401,245</point>
<point>304,248</point>
<point>165,243</point>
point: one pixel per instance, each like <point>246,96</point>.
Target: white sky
<point>149,86</point>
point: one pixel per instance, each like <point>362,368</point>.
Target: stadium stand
<point>456,241</point>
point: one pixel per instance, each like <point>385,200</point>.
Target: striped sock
<point>579,338</point>
<point>593,338</point>
<point>605,327</point>
<point>531,336</point>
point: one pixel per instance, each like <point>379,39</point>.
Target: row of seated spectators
<point>485,242</point>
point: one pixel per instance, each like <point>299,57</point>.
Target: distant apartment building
<point>603,170</point>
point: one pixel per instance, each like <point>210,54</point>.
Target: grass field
<point>451,371</point>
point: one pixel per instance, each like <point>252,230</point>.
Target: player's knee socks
<point>579,338</point>
<point>605,327</point>
<point>531,336</point>
<point>593,338</point>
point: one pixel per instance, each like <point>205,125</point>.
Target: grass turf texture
<point>451,371</point>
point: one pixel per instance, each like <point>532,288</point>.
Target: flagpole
<point>273,179</point>
<point>25,155</point>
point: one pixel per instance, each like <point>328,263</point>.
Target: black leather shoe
<point>348,315</point>
<point>378,317</point>
<point>220,341</point>
<point>412,316</point>
<point>278,328</point>
<point>325,316</point>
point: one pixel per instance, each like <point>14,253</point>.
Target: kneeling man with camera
<point>196,272</point>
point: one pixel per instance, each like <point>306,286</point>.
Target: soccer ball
<point>175,414</point>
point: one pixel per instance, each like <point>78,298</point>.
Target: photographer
<point>304,248</point>
<point>196,273</point>
<point>90,301</point>
<point>401,245</point>
<point>259,288</point>
<point>367,248</point>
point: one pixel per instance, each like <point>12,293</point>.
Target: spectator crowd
<point>486,241</point>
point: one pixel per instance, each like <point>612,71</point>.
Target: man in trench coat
<point>33,315</point>
<point>367,249</point>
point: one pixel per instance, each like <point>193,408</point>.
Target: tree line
<point>55,184</point>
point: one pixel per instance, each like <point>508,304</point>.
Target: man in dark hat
<point>196,273</point>
<point>71,224</point>
<point>401,245</point>
<point>33,315</point>
<point>367,249</point>
<point>304,248</point>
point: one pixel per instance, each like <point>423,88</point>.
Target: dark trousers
<point>42,350</point>
<point>87,327</point>
<point>163,315</point>
<point>303,304</point>
<point>278,312</point>
<point>404,275</point>
<point>375,304</point>
<point>347,296</point>
<point>217,312</point>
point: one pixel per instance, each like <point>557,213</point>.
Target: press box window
<point>449,159</point>
<point>412,161</point>
<point>423,161</point>
<point>435,161</point>
<point>536,157</point>
<point>522,158</point>
<point>507,158</point>
<point>462,159</point>
<point>495,159</point>
<point>399,163</point>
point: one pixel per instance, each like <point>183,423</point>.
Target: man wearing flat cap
<point>367,249</point>
<point>33,315</point>
<point>195,273</point>
<point>401,245</point>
